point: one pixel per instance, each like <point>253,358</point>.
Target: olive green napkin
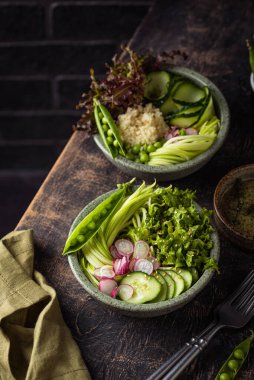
<point>35,343</point>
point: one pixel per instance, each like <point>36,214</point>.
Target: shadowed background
<point>46,50</point>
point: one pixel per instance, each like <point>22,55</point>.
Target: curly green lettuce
<point>178,231</point>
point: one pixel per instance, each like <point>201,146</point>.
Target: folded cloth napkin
<point>35,343</point>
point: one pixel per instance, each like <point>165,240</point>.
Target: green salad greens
<point>178,231</point>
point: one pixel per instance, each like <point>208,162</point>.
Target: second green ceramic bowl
<point>173,172</point>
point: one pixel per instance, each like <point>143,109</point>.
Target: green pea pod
<point>89,226</point>
<point>251,55</point>
<point>111,124</point>
<point>110,148</point>
<point>235,361</point>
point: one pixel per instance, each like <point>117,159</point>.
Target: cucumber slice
<point>187,93</point>
<point>179,282</point>
<point>185,122</point>
<point>195,275</point>
<point>187,277</point>
<point>170,284</point>
<point>157,85</point>
<point>162,296</point>
<point>169,106</point>
<point>208,111</point>
<point>146,288</point>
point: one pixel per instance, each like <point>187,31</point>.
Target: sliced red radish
<point>141,250</point>
<point>143,265</point>
<point>191,131</point>
<point>114,292</point>
<point>104,272</point>
<point>124,247</point>
<point>107,286</point>
<point>156,264</point>
<point>131,264</point>
<point>125,292</point>
<point>121,266</point>
<point>114,252</point>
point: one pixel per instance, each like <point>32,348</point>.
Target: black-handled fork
<point>235,312</point>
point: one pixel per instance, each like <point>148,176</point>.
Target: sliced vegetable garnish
<point>132,264</point>
<point>143,265</point>
<point>187,93</point>
<point>145,287</point>
<point>124,247</point>
<point>121,266</point>
<point>141,250</point>
<point>156,85</point>
<point>125,292</point>
<point>104,272</point>
<point>114,292</point>
<point>114,252</point>
<point>170,283</point>
<point>186,275</point>
<point>107,286</point>
<point>182,148</point>
<point>162,296</point>
<point>179,282</point>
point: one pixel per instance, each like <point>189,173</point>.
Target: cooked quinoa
<point>142,125</point>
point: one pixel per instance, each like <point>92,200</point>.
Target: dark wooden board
<point>213,34</point>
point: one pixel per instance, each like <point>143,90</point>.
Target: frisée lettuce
<point>178,232</point>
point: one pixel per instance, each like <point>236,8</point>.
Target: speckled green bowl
<point>173,172</point>
<point>144,310</point>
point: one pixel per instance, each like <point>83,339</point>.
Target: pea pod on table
<point>108,129</point>
<point>235,361</point>
<point>88,227</point>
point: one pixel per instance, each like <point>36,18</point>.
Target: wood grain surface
<point>116,347</point>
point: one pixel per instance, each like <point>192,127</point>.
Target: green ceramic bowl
<point>144,310</point>
<point>173,172</point>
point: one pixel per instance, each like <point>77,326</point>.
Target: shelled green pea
<point>140,153</point>
<point>235,361</point>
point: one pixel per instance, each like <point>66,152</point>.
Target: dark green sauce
<point>239,207</point>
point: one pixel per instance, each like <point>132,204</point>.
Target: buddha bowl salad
<point>144,244</point>
<point>148,114</point>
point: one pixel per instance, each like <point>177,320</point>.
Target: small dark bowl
<point>221,205</point>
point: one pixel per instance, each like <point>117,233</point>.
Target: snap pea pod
<point>89,226</point>
<point>235,361</point>
<point>108,129</point>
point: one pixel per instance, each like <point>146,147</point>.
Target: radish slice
<point>121,266</point>
<point>125,292</point>
<point>131,265</point>
<point>141,250</point>
<point>124,247</point>
<point>107,286</point>
<point>191,131</point>
<point>156,264</point>
<point>105,272</point>
<point>114,292</point>
<point>114,252</point>
<point>143,265</point>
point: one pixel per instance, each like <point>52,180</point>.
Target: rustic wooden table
<point>213,34</point>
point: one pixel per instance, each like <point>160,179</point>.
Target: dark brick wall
<point>46,50</point>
